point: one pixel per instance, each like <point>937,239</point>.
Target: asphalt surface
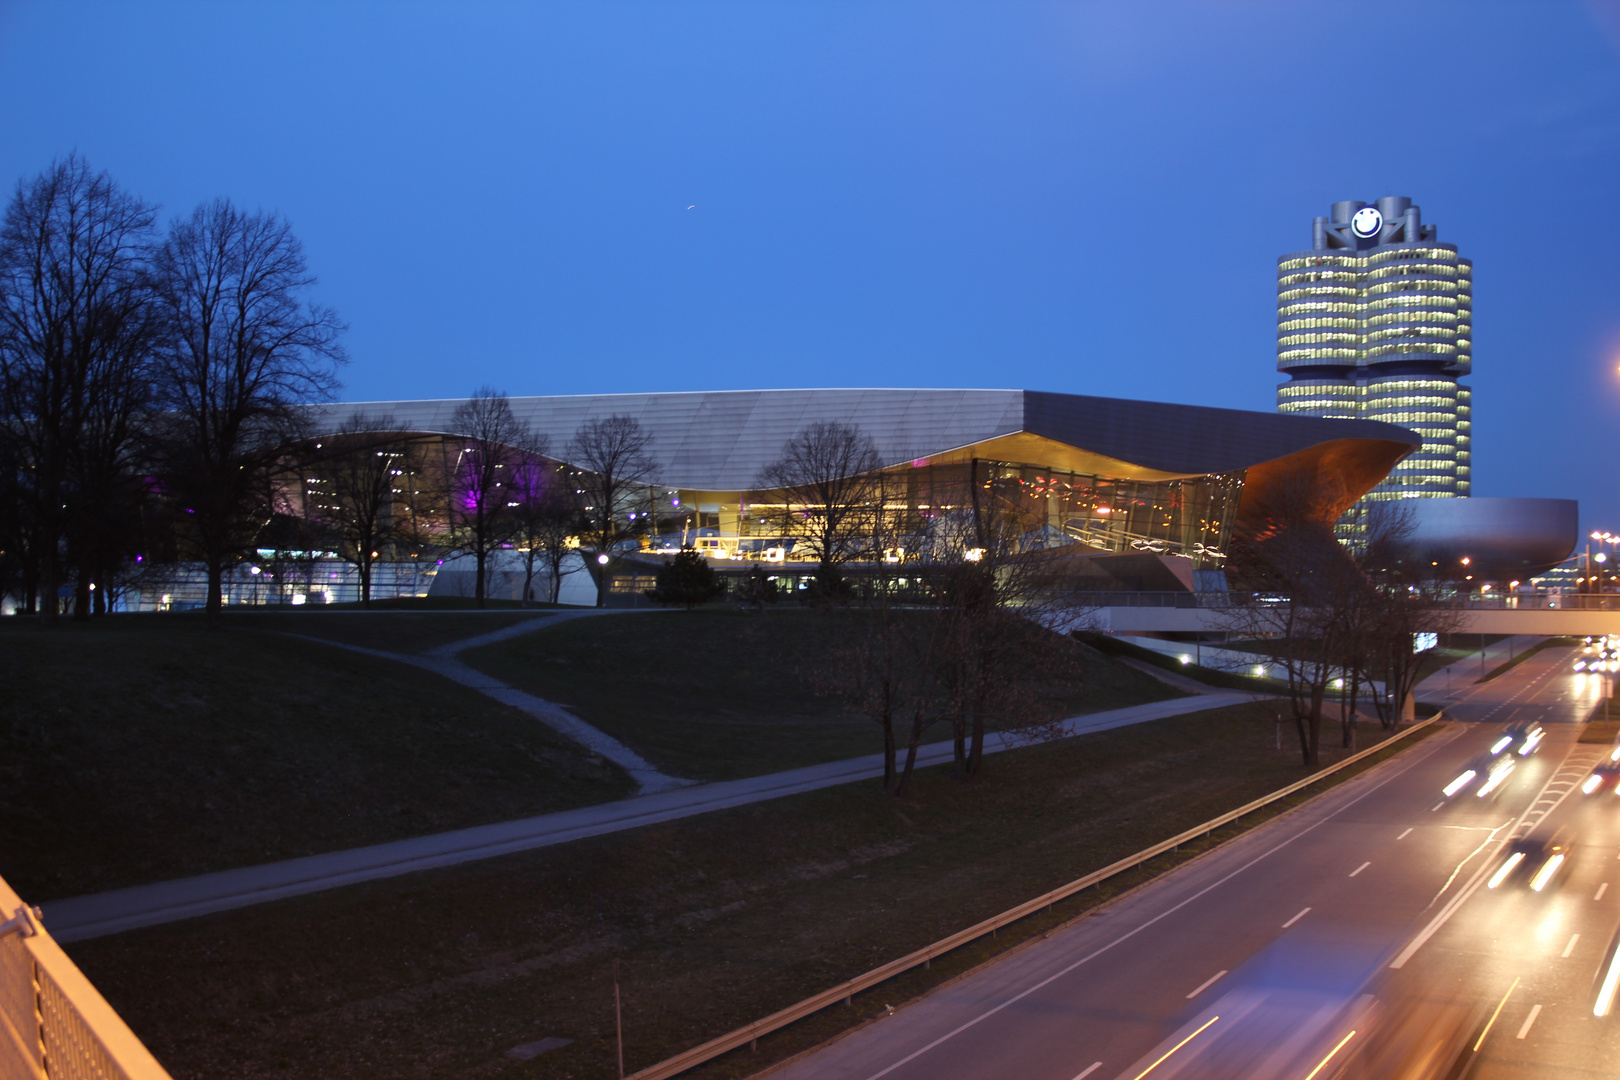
<point>1356,936</point>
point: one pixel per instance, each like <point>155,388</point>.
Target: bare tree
<point>827,484</point>
<point>482,501</point>
<point>547,515</point>
<point>982,649</point>
<point>358,472</point>
<point>1309,617</point>
<point>614,461</point>
<point>240,350</point>
<point>75,335</point>
<point>1412,601</point>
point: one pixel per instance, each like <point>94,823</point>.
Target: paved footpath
<point>170,901</point>
<point>443,661</point>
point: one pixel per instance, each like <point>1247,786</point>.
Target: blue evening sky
<point>1077,197</point>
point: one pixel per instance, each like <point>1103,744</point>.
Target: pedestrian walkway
<point>1455,680</point>
<point>170,901</point>
<point>443,660</point>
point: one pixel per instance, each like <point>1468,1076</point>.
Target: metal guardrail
<point>1222,600</point>
<point>742,1036</point>
<point>54,1025</point>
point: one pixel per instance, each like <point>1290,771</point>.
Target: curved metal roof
<point>720,440</point>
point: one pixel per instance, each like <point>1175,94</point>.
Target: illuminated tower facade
<point>1375,322</point>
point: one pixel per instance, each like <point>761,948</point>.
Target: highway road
<point>1369,914</point>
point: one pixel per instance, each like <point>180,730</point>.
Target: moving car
<point>1484,775</point>
<point>1540,864</point>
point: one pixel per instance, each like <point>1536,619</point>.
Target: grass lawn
<point>142,747</point>
<point>716,694</point>
<point>716,920</point>
<point>410,632</point>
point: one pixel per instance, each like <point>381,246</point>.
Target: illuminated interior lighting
<point>1505,869</point>
<point>1545,874</point>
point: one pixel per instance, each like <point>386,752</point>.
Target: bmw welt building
<point>1151,493</point>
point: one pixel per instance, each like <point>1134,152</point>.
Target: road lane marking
<point>1535,1011</point>
<point>1360,868</point>
<point>1095,1065</point>
<point>1295,919</point>
<point>1404,835</point>
<point>1573,938</point>
<point>1492,1021</point>
<point>1436,806</point>
<point>1205,985</point>
<point>1603,888</point>
<point>1434,746</point>
<point>1176,1047</point>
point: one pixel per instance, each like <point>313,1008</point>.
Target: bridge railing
<point>54,1025</point>
<point>1222,600</point>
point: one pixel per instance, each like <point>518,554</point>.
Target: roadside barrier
<point>54,1025</point>
<point>743,1036</point>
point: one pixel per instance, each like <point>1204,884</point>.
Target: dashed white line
<point>1603,888</point>
<point>1206,985</point>
<point>1295,919</point>
<point>1573,938</point>
<point>1404,835</point>
<point>1535,1011</point>
<point>1436,806</point>
<point>1093,1067</point>
<point>1436,744</point>
<point>1360,868</point>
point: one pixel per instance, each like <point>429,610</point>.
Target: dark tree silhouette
<point>357,471</point>
<point>239,351</point>
<point>613,461</point>
<point>546,517</point>
<point>826,489</point>
<point>482,499</point>
<point>686,579</point>
<point>76,324</point>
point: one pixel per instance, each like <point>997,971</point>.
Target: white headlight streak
<point>1505,869</point>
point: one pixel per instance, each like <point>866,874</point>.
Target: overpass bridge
<point>1150,613</point>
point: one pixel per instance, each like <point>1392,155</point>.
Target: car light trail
<point>1458,784</point>
<point>1495,780</point>
<point>1591,784</point>
<point>1494,1015</point>
<point>1502,744</point>
<point>1611,979</point>
<point>1323,1063</point>
<point>1546,872</point>
<point>1505,869</point>
<point>1176,1047</point>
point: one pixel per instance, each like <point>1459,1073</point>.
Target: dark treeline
<point>149,379</point>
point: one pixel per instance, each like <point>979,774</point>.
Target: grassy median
<point>715,920</point>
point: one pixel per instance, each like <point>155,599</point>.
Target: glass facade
<point>935,500</point>
<point>1380,328</point>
